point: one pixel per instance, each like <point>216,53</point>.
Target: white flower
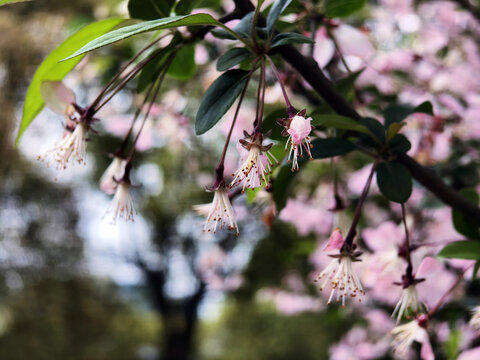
<point>219,213</point>
<point>72,146</point>
<point>122,204</point>
<point>256,167</point>
<point>111,176</point>
<point>405,335</point>
<point>298,128</point>
<point>408,300</point>
<point>475,320</point>
<point>342,278</point>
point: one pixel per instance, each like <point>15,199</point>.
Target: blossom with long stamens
<point>409,301</point>
<point>219,212</point>
<point>115,170</point>
<point>298,129</point>
<point>122,206</point>
<point>73,146</point>
<point>340,275</point>
<point>475,320</point>
<point>256,167</point>
<point>414,331</point>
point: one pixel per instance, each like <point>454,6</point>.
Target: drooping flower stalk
<point>256,167</point>
<point>219,213</point>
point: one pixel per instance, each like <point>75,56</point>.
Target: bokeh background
<point>72,286</point>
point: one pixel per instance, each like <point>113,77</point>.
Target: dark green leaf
<point>394,181</point>
<point>281,185</point>
<point>346,85</point>
<point>150,9</point>
<point>183,66</point>
<point>5,2</point>
<point>51,70</point>
<point>231,58</point>
<point>218,99</point>
<point>243,28</point>
<point>290,38</point>
<point>469,250</point>
<point>398,113</point>
<point>376,128</point>
<point>276,10</point>
<point>185,7</point>
<point>342,8</point>
<point>329,147</point>
<point>145,26</point>
<point>270,123</point>
<point>340,122</point>
<point>393,129</point>
<point>461,223</point>
<point>150,71</point>
<point>399,144</point>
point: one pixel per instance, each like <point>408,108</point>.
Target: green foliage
<point>462,224</point>
<point>287,38</point>
<point>276,10</point>
<point>469,250</point>
<point>341,122</point>
<point>269,123</point>
<point>243,29</point>
<point>399,144</point>
<point>146,26</point>
<point>232,57</point>
<point>346,85</point>
<point>329,147</point>
<point>6,2</point>
<point>342,8</point>
<point>219,98</point>
<point>398,113</point>
<point>183,66</point>
<point>51,70</point>
<point>150,9</point>
<point>282,185</point>
<point>376,128</point>
<point>185,7</point>
<point>394,181</point>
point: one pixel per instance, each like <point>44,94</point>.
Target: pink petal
<point>57,96</point>
<point>335,242</point>
<point>353,42</point>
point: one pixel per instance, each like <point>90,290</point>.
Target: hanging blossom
<point>475,320</point>
<point>73,145</point>
<point>413,331</point>
<point>108,182</point>
<point>298,129</point>
<point>409,301</point>
<point>339,274</point>
<point>219,213</point>
<point>256,167</point>
<point>122,206</point>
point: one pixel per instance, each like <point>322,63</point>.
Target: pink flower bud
<point>299,128</point>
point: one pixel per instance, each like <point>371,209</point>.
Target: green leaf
<point>270,123</point>
<point>281,185</point>
<point>243,29</point>
<point>393,129</point>
<point>462,224</point>
<point>377,130</point>
<point>150,71</point>
<point>469,250</point>
<point>252,194</point>
<point>145,26</point>
<point>394,181</point>
<point>185,7</point>
<point>183,66</point>
<point>276,10</point>
<point>219,98</point>
<point>399,144</point>
<point>231,58</point>
<point>399,112</point>
<point>6,2</point>
<point>150,9</point>
<point>342,8</point>
<point>290,38</point>
<point>329,147</point>
<point>340,122</point>
<point>51,70</point>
